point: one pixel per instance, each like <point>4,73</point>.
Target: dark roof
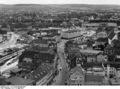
<point>109,29</point>
<point>71,31</point>
<point>91,64</point>
<point>40,72</point>
<point>69,37</point>
<point>40,41</point>
<point>3,32</point>
<point>93,78</point>
<point>48,36</point>
<point>111,35</point>
<point>42,56</point>
<point>102,40</point>
<point>39,49</point>
<point>3,82</point>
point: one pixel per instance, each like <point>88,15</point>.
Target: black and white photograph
<point>59,43</point>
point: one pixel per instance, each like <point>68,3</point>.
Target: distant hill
<point>53,8</point>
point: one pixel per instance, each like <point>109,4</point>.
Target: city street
<point>63,75</point>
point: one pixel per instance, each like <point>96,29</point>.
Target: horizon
<point>57,4</point>
<point>61,2</point>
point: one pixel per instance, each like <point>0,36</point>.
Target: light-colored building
<point>102,34</point>
<point>110,71</point>
<point>71,34</point>
<point>91,79</point>
<point>77,76</point>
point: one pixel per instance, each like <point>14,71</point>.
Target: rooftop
<point>102,40</point>
<point>111,35</point>
<point>72,31</point>
<point>20,81</point>
<point>40,41</point>
<point>90,51</point>
<point>76,69</point>
<point>40,72</point>
<point>42,56</point>
<point>93,78</point>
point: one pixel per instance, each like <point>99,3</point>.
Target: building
<point>20,81</point>
<point>77,76</point>
<point>110,71</point>
<point>115,81</point>
<point>50,31</point>
<point>112,36</point>
<point>109,50</point>
<point>101,34</point>
<point>31,59</point>
<point>112,50</point>
<point>118,73</point>
<point>93,26</point>
<point>92,55</point>
<point>40,42</point>
<point>40,72</point>
<point>102,58</point>
<point>51,38</point>
<point>91,79</point>
<point>71,34</point>
<point>101,41</point>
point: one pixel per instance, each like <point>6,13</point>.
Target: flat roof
<point>90,51</point>
<point>93,78</point>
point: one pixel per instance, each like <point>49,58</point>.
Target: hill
<point>53,8</point>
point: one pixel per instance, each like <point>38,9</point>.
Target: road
<point>63,75</point>
<point>10,43</point>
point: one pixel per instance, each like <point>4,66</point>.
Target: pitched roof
<point>20,81</point>
<point>102,40</point>
<point>40,72</point>
<point>77,69</point>
<point>111,35</point>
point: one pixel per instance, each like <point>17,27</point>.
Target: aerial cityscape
<point>65,44</point>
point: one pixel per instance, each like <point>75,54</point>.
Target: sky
<point>117,2</point>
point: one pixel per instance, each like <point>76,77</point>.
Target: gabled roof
<point>40,72</point>
<point>77,70</point>
<point>111,35</point>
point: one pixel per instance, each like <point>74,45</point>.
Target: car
<point>60,68</point>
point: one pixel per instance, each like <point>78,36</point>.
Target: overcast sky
<point>60,2</point>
